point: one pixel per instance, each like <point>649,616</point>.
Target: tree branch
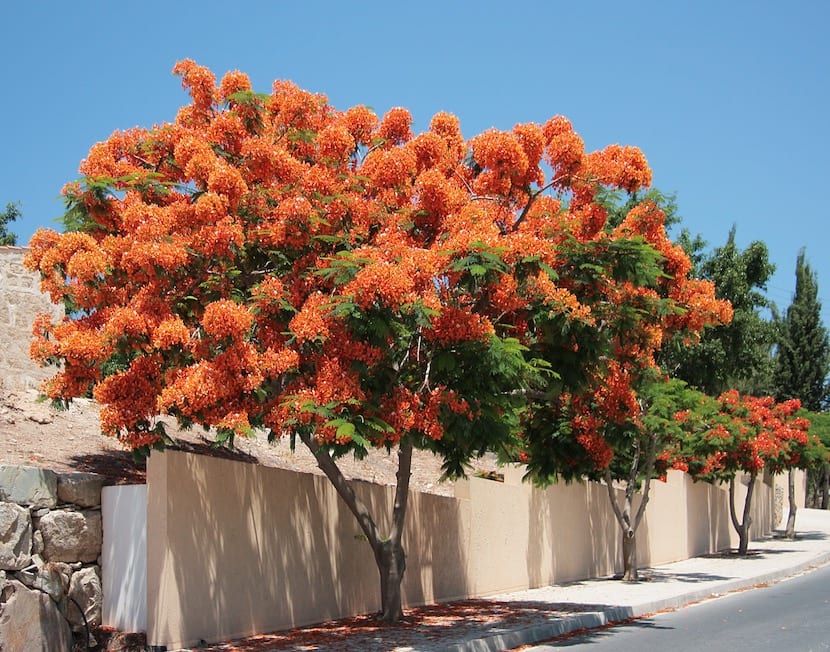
<point>649,470</point>
<point>402,488</point>
<point>532,198</point>
<point>732,513</point>
<point>609,483</point>
<point>344,490</point>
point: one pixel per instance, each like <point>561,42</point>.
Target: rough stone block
<point>31,622</point>
<point>15,537</point>
<point>51,578</point>
<point>71,536</point>
<point>37,542</point>
<point>83,489</point>
<point>28,485</point>
<point>85,590</point>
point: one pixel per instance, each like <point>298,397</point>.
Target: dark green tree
<point>802,359</point>
<point>737,355</point>
<point>10,214</point>
<point>802,362</point>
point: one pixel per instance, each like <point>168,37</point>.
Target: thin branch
<point>732,513</point>
<point>748,502</point>
<point>425,384</point>
<point>652,456</point>
<point>609,483</point>
<point>532,198</point>
<point>344,490</point>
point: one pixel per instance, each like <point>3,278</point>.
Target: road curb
<point>595,619</point>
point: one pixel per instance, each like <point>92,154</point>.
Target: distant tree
<point>737,355</point>
<point>746,434</point>
<point>10,214</point>
<point>802,362</point>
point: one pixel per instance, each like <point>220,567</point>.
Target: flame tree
<point>268,263</point>
<point>736,433</point>
<point>614,423</point>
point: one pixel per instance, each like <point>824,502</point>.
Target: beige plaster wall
<point>20,301</point>
<point>235,548</point>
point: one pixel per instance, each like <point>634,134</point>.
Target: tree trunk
<point>825,486</point>
<point>388,551</point>
<point>790,533</point>
<point>629,547</point>
<point>391,562</point>
<point>628,521</point>
<point>742,528</point>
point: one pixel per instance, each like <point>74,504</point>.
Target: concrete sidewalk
<point>503,622</point>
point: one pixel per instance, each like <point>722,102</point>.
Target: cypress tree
<point>803,355</point>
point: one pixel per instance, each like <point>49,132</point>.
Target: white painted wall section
<point>124,557</point>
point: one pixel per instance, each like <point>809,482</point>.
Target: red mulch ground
<point>432,627</point>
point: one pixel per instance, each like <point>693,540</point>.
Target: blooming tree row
<point>736,433</point>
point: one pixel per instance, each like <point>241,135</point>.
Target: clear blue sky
<point>728,100</point>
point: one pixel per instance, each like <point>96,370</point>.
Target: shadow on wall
<point>236,549</point>
<point>564,518</point>
<point>708,526</point>
<point>124,557</point>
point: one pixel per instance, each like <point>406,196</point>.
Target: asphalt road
<point>792,615</point>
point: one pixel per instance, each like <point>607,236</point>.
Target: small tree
<point>746,435</point>
<point>818,475</point>
<point>12,212</point>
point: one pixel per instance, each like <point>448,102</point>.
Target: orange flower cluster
<point>455,325</point>
<point>226,318</point>
<point>309,323</point>
<point>588,431</point>
<point>395,126</point>
<point>620,167</point>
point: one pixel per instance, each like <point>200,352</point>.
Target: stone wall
<point>20,301</point>
<point>50,556</point>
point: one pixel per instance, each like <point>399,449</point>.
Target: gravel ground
<point>36,434</point>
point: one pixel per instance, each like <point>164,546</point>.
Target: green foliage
<point>819,425</point>
<point>619,204</point>
<point>802,359</point>
<point>737,355</point>
<point>10,214</point>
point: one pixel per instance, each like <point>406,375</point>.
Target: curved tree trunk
<point>742,527</point>
<point>790,532</point>
<point>388,551</point>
